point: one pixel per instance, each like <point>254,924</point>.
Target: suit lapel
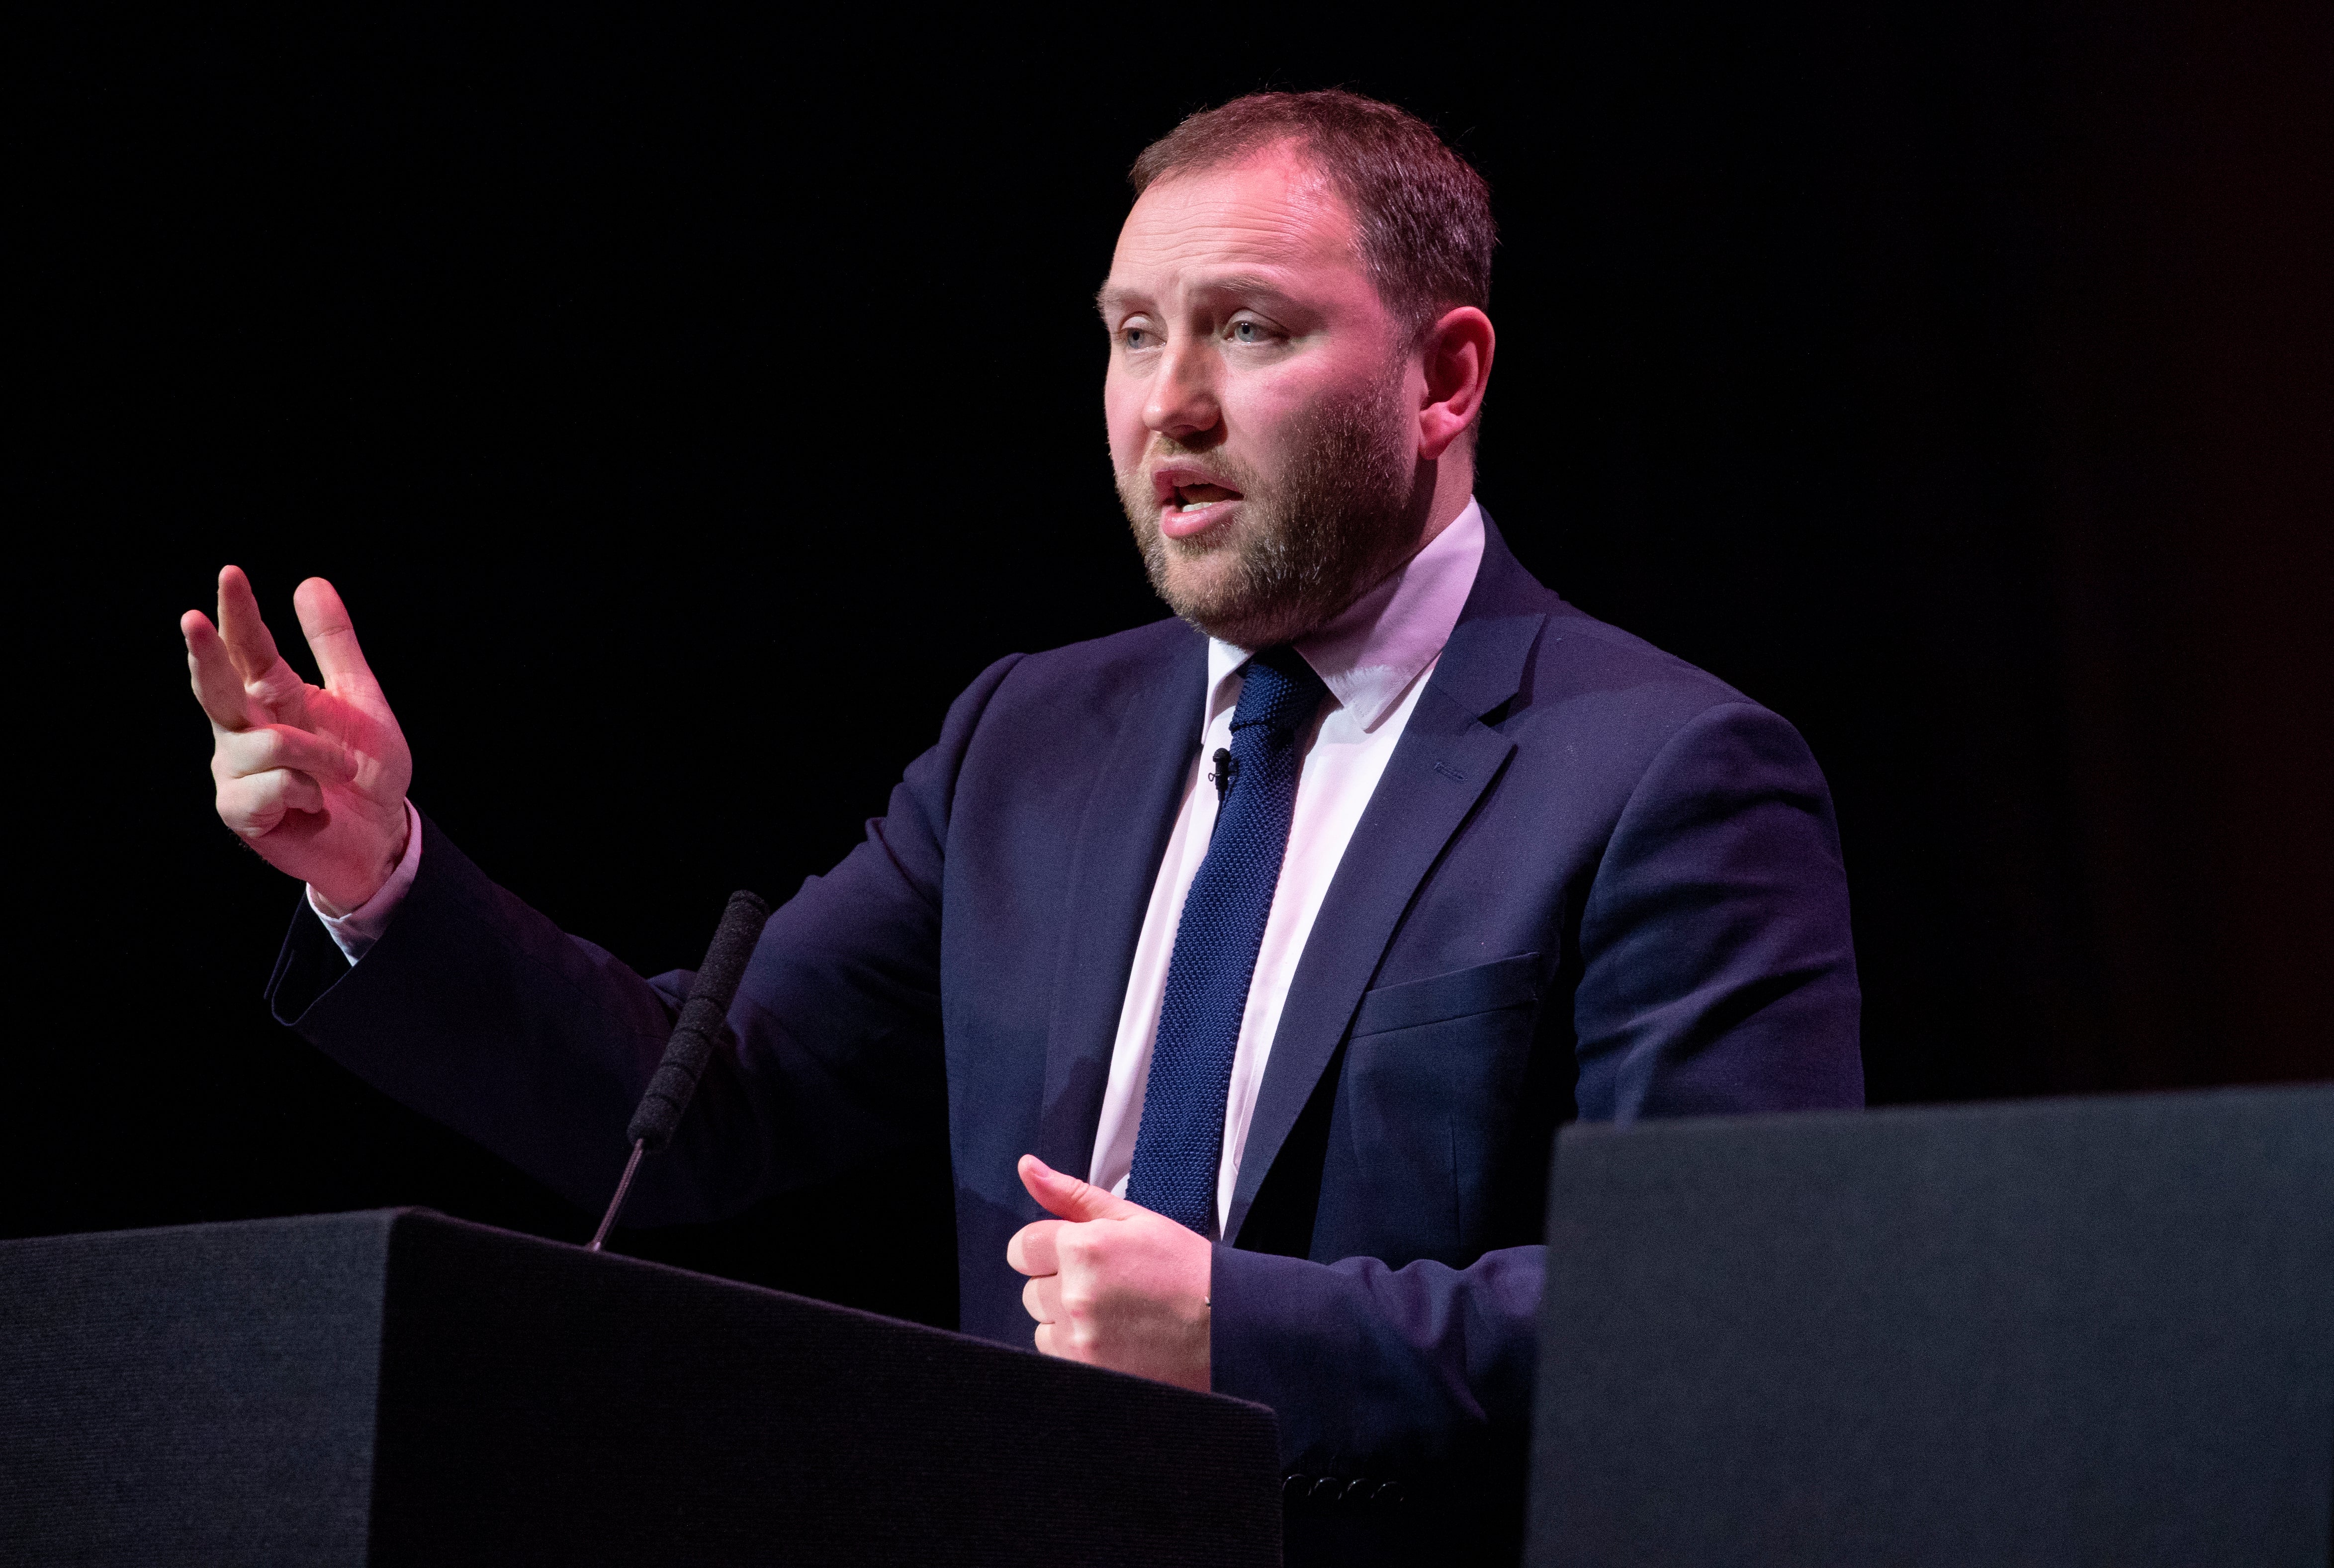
<point>1111,876</point>
<point>1447,758</point>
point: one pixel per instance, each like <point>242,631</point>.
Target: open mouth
<point>1192,498</point>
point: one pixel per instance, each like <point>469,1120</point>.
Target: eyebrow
<point>1106,297</point>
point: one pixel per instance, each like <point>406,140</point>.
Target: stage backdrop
<point>687,410</point>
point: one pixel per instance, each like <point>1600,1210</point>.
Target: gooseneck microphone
<point>691,1044</point>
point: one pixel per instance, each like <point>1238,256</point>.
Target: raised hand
<point>313,777</point>
<point>1112,1282</point>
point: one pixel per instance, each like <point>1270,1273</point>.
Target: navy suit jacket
<point>1593,881</point>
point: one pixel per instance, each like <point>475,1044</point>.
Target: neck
<point>1447,487</point>
<point>1454,487</point>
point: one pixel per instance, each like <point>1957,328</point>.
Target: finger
<point>1042,1298</point>
<point>216,685</point>
<point>1034,1248</point>
<point>301,793</point>
<point>324,621</point>
<point>242,627</point>
<point>275,746</point>
<point>1061,1341</point>
<point>256,806</point>
<point>1068,1196</point>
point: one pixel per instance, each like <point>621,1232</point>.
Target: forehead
<point>1271,213</point>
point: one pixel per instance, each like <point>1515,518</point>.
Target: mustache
<point>1164,451</point>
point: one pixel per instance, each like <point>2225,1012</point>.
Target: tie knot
<point>1280,690</point>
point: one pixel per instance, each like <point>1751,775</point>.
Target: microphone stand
<point>616,1204</point>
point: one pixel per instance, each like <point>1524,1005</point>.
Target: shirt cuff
<point>355,932</point>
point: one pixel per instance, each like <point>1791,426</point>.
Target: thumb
<point>332,638</point>
<point>1068,1198</point>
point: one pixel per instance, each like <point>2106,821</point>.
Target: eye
<point>1248,331</point>
<point>1137,337</point>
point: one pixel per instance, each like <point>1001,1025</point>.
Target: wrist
<point>343,898</point>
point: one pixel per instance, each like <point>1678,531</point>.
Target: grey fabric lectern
<point>2095,1332</point>
<point>401,1387</point>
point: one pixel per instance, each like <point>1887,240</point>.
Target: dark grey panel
<point>2051,1332</point>
<point>545,1406</point>
<point>197,1396</point>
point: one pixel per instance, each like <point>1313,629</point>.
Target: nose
<point>1182,401</point>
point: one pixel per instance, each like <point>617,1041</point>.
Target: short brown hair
<point>1422,214</point>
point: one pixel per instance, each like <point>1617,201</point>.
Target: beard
<point>1344,511</point>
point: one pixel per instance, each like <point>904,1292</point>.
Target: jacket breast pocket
<point>1433,1072</point>
<point>1485,988</point>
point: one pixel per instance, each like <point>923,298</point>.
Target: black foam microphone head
<point>701,1016</point>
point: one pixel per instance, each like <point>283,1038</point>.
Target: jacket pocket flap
<point>1484,988</point>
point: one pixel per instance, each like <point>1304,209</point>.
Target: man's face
<point>1261,402</point>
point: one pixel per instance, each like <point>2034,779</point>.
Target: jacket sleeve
<point>1714,975</point>
<point>477,1011</point>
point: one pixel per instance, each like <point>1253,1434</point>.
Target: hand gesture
<point>1114,1283</point>
<point>313,777</point>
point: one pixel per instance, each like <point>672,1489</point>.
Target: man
<point>1265,962</point>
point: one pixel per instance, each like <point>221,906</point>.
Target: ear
<point>1457,356</point>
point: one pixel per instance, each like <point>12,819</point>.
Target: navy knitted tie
<point>1180,1144</point>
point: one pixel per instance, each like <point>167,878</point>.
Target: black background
<point>687,404</point>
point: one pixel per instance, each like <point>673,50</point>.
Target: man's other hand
<point>313,777</point>
<point>1112,1284</point>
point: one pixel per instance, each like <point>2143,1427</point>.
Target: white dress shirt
<point>1375,658</point>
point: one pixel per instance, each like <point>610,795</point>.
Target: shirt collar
<point>1368,656</point>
